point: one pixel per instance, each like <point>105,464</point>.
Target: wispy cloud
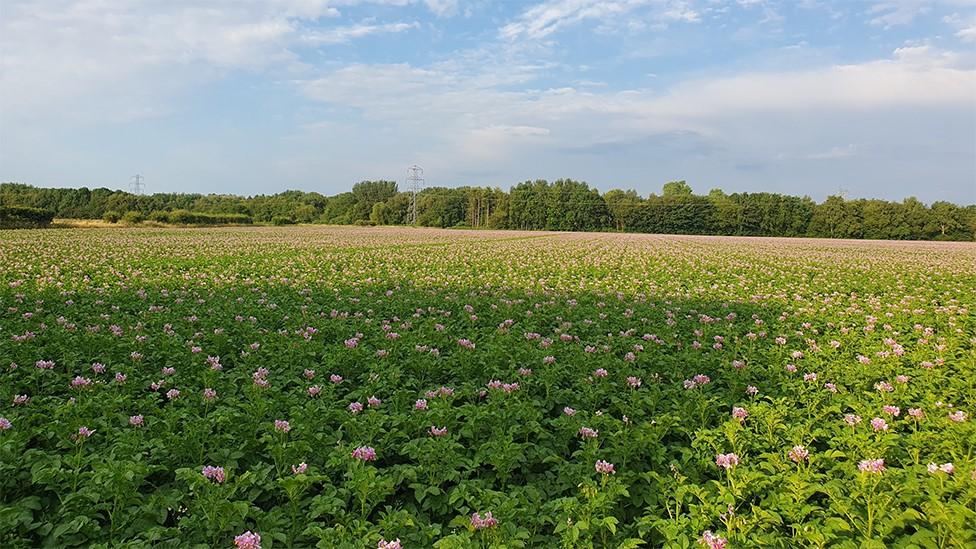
<point>342,35</point>
<point>544,19</point>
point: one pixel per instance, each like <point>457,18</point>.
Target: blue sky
<point>875,97</point>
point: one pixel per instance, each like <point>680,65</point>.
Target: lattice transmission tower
<point>415,182</point>
<point>136,184</point>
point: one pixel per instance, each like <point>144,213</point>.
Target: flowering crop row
<point>340,387</point>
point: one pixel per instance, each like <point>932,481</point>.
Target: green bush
<point>279,220</point>
<point>158,216</point>
<point>111,217</point>
<point>132,218</point>
<point>364,223</point>
<point>186,217</point>
<point>16,217</point>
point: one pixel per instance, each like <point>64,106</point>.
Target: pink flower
<point>525,372</point>
<point>958,416</point>
<point>314,391</point>
<point>373,402</point>
<point>891,410</point>
<point>5,424</point>
<point>215,474</point>
<point>810,377</point>
<point>421,404</point>
<point>901,378</point>
<point>44,364</point>
<point>364,453</point>
<point>120,377</point>
<point>852,419</point>
<point>282,426</point>
<point>830,387</point>
<point>586,432</point>
<point>136,421</point>
<point>309,374</point>
<point>634,382</point>
<point>209,394</point>
<point>98,367</point>
<point>248,540</point>
<point>569,411</point>
<point>352,343</point>
<point>798,453</point>
<point>604,467</point>
<point>916,413</point>
<point>172,394</point>
<point>879,424</point>
<point>356,407</point>
<point>791,368</point>
<point>726,461</point>
<point>300,468</point>
<point>711,541</point>
<point>20,400</point>
<point>466,343</point>
<point>947,468</point>
<point>437,431</point>
<point>871,466</point>
<point>739,413</point>
<point>752,390</point>
<point>335,378</point>
<point>883,387</point>
<point>383,544</point>
<point>80,382</point>
<point>478,522</point>
<point>549,360</point>
<point>702,379</point>
<point>600,372</point>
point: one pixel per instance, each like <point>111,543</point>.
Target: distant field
<point>348,387</point>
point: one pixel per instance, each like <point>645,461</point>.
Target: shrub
<point>132,218</point>
<point>186,217</point>
<point>158,216</point>
<point>111,217</point>
<point>17,217</point>
<point>279,220</point>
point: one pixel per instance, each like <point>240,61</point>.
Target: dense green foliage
<point>186,217</point>
<point>563,205</point>
<point>335,387</point>
<point>14,217</point>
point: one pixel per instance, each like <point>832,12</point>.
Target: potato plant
<point>364,387</point>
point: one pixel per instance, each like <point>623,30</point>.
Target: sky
<point>869,98</point>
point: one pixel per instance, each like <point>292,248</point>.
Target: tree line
<point>562,205</point>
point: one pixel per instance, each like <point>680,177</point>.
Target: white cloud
<point>442,8</point>
<point>892,13</point>
<point>473,120</point>
<point>114,60</point>
<point>544,19</point>
<point>833,153</point>
<point>341,35</point>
